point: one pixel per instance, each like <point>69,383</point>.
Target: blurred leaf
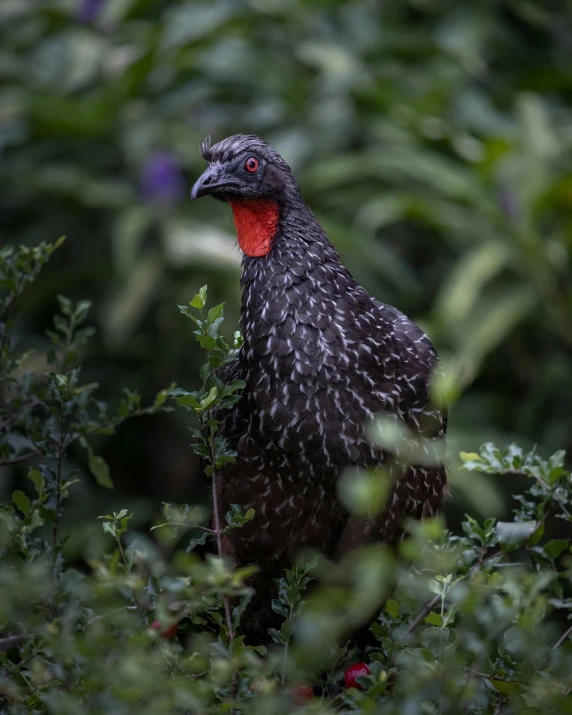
<point>99,468</point>
<point>514,534</point>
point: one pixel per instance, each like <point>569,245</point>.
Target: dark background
<point>432,138</point>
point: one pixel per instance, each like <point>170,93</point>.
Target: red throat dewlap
<point>255,221</point>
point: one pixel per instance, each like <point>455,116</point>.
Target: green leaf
<point>199,541</point>
<point>556,546</point>
<point>21,501</point>
<point>209,399</point>
<point>435,587</point>
<point>556,466</point>
<point>162,396</point>
<point>189,400</point>
<point>215,313</point>
<point>512,534</point>
<point>392,607</point>
<point>207,342</point>
<point>197,302</point>
<point>469,456</point>
<point>37,479</point>
<point>109,527</point>
<point>510,689</point>
<point>275,635</point>
<point>434,619</point>
<point>99,468</point>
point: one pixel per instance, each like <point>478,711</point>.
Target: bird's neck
<point>300,274</point>
<point>256,222</point>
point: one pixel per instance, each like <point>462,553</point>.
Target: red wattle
<point>255,221</point>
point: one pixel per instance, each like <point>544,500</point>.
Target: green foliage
<point>475,623</point>
<point>215,394</point>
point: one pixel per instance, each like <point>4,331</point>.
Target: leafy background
<point>432,138</point>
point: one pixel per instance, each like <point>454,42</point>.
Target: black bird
<point>320,360</point>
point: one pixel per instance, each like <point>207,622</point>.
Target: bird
<point>321,359</point>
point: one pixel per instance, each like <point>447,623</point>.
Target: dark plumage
<point>320,359</point>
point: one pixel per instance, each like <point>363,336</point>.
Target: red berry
<point>357,670</point>
<point>301,694</point>
<point>169,633</point>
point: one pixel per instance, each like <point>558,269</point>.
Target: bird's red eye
<point>251,165</point>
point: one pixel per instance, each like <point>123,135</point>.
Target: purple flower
<point>162,180</point>
<point>509,204</point>
<point>88,10</point>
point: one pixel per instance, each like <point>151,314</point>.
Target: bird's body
<point>320,360</point>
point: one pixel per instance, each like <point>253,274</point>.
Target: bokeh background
<point>432,138</point>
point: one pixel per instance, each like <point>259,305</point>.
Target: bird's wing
<point>416,366</point>
<point>407,327</point>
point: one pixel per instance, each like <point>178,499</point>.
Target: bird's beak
<point>212,180</point>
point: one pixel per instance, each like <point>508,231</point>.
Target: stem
<point>285,656</point>
<point>563,638</point>
<point>422,613</point>
<point>59,465</point>
<point>120,545</point>
<point>218,534</point>
<point>19,458</point>
<point>186,526</point>
<point>5,313</point>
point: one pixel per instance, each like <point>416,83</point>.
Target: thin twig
<point>19,458</point>
<point>218,533</point>
<point>285,656</point>
<point>562,638</point>
<point>486,676</point>
<point>59,463</point>
<point>7,307</point>
<point>421,615</point>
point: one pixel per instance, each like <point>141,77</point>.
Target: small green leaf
<point>513,534</point>
<point>197,302</point>
<point>21,501</point>
<point>507,688</point>
<point>209,399</point>
<point>435,587</point>
<point>392,607</point>
<point>108,527</point>
<point>199,541</point>
<point>100,469</point>
<point>434,619</point>
<point>556,546</point>
<point>215,313</point>
<point>188,400</point>
<point>37,479</point>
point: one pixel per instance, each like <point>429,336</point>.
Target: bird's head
<point>242,167</point>
<point>252,177</point>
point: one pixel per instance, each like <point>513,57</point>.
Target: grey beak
<point>205,183</point>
